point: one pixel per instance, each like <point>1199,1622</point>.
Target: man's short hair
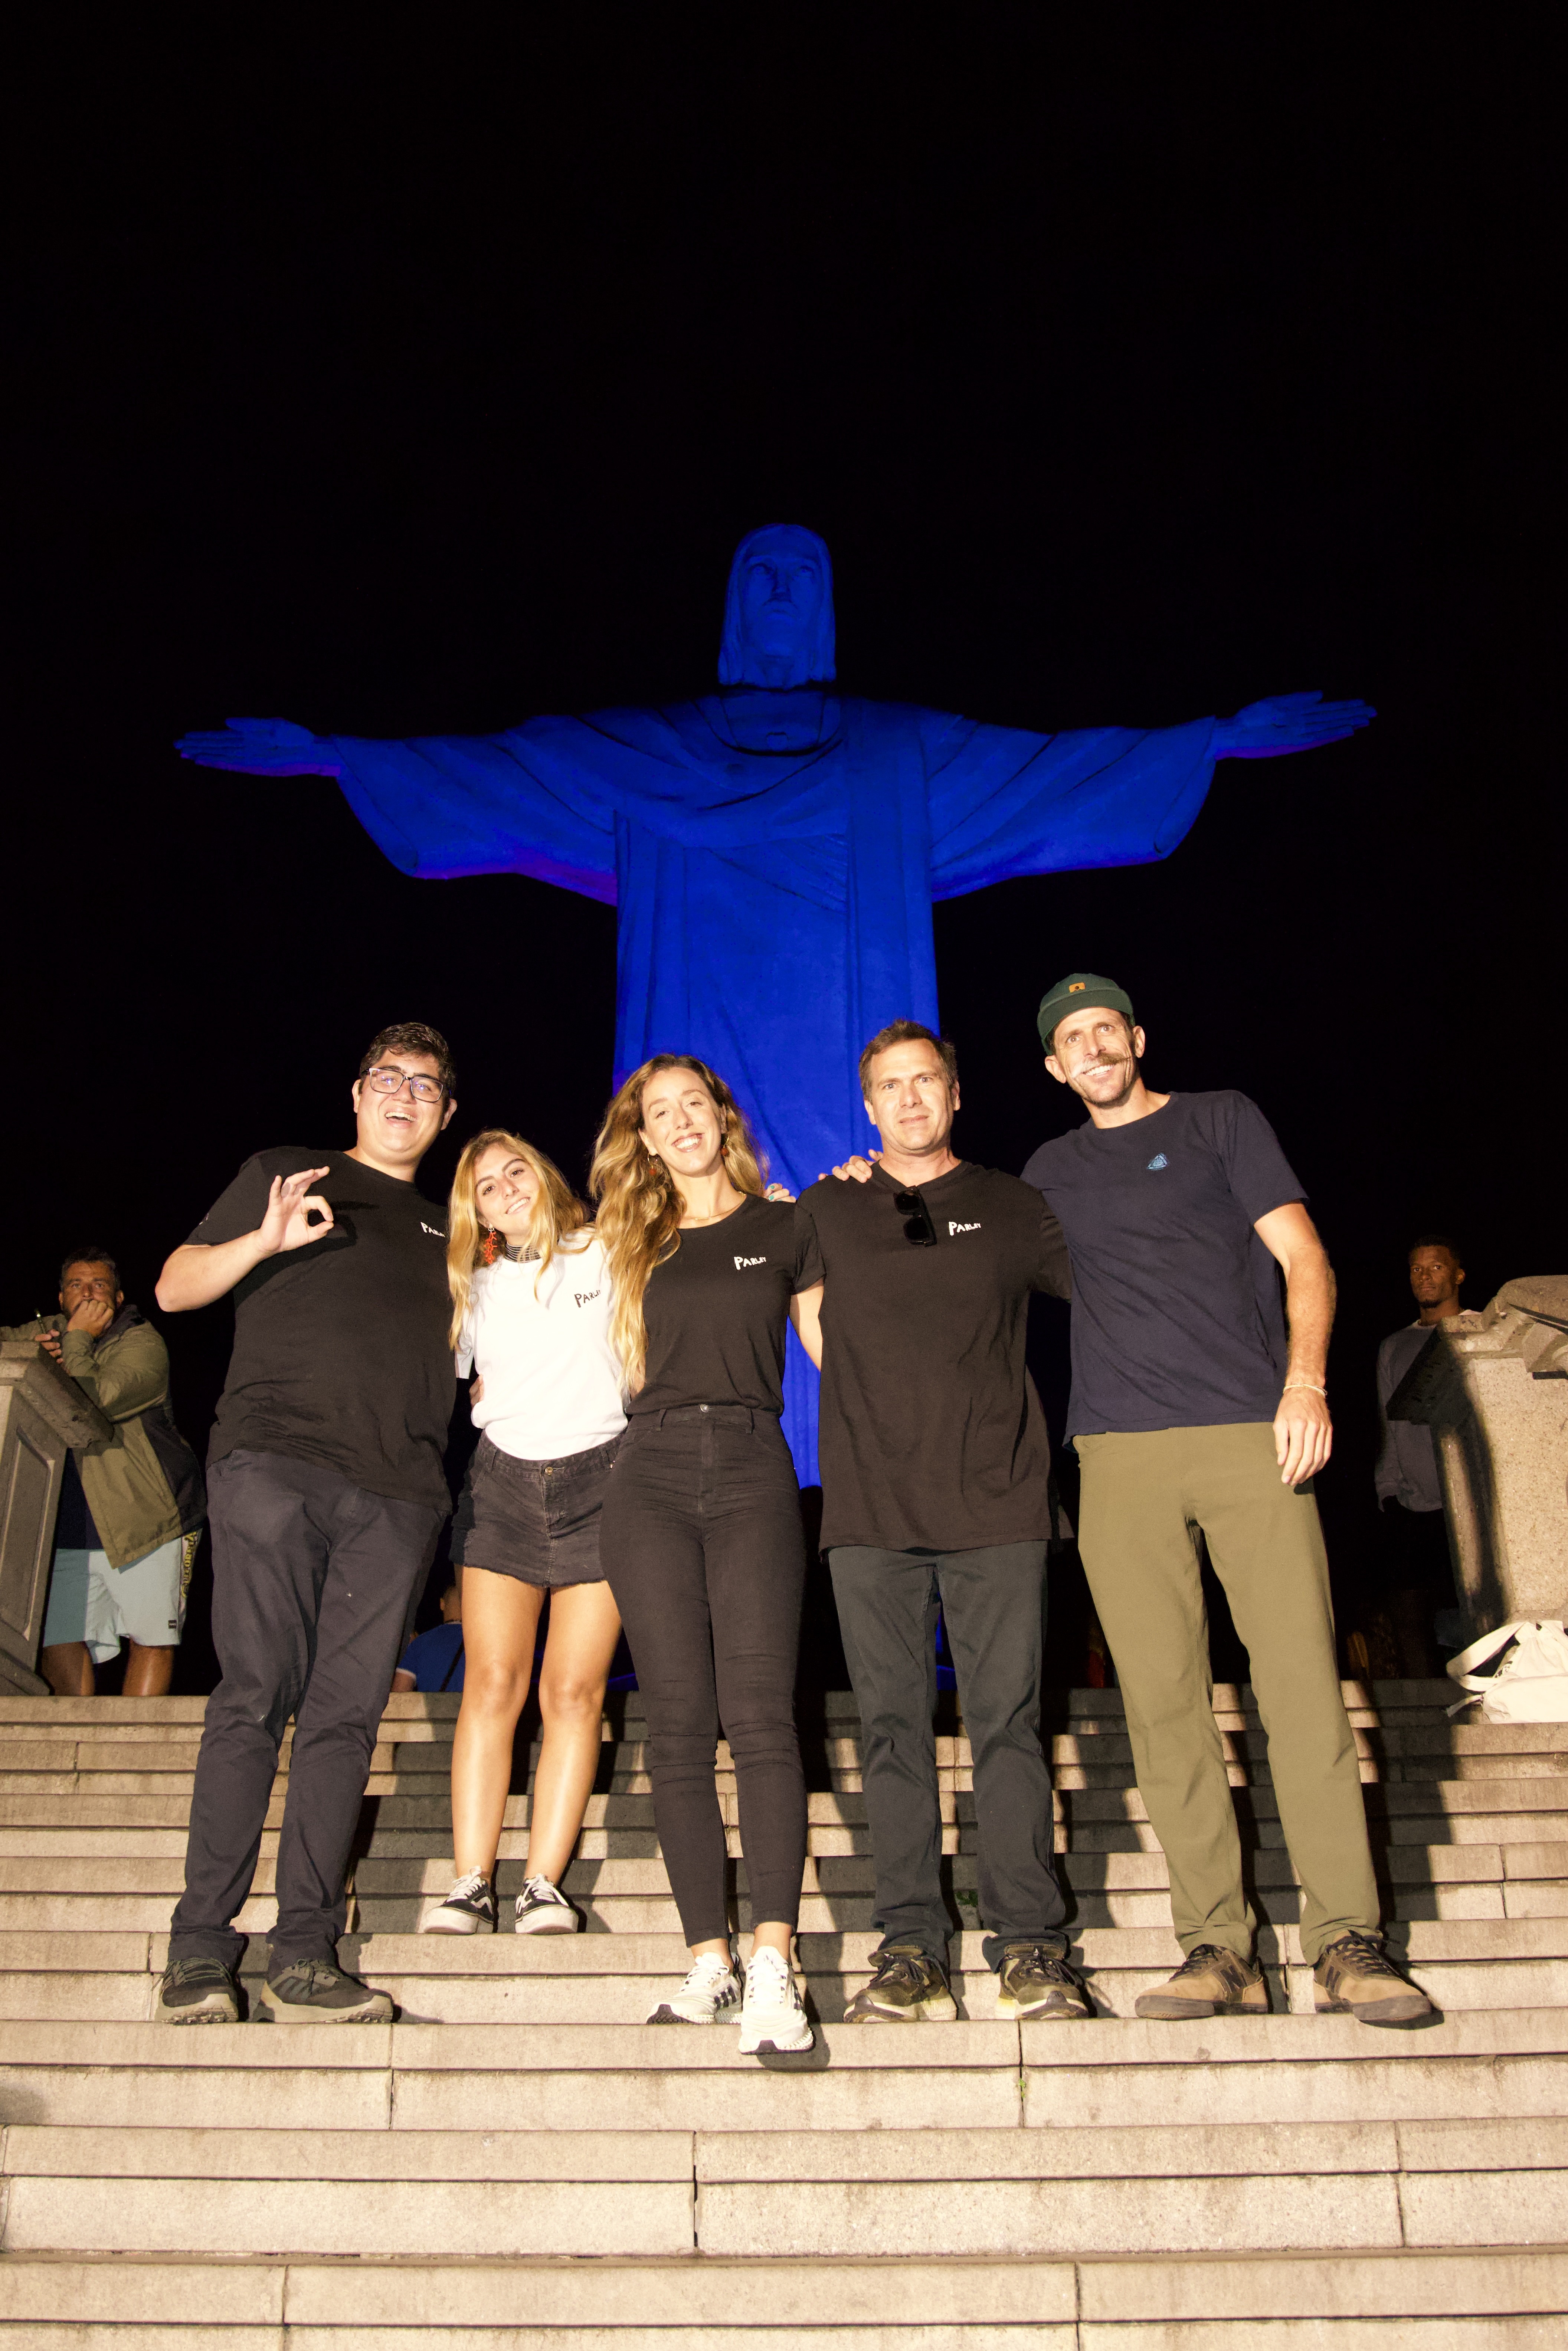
<point>89,1257</point>
<point>1434,1241</point>
<point>908,1032</point>
<point>412,1037</point>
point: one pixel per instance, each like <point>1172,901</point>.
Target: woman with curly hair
<point>530,1311</point>
<point>702,1539</point>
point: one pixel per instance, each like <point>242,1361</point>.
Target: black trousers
<point>993,1604</point>
<point>702,1544</point>
<point>313,1582</point>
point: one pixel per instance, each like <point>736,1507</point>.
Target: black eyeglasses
<point>389,1080</point>
<point>918,1229</point>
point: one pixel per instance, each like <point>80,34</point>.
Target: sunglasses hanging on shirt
<point>918,1229</point>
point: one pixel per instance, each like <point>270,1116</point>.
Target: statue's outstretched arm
<point>262,746</point>
<point>1288,722</point>
<point>525,801</point>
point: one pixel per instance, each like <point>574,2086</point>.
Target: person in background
<point>1418,1572</point>
<point>530,1314</point>
<point>433,1661</point>
<point>326,1482</point>
<point>1197,1403</point>
<point>131,1511</point>
<point>703,1542</point>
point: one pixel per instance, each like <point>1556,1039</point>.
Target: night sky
<point>399,379</point>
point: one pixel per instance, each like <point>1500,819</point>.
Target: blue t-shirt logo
<point>1159,1160</point>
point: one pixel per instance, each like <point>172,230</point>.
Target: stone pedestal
<point>42,1411</point>
<point>1493,1389</point>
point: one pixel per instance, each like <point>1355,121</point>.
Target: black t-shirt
<point>341,1352</point>
<point>716,1311</point>
<point>1176,1316</point>
<point>932,1436</point>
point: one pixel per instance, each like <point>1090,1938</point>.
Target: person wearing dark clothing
<point>132,1507</point>
<point>1418,1573</point>
<point>701,1538</point>
<point>433,1661</point>
<point>328,1496</point>
<point>935,1492</point>
<point>1194,1408</point>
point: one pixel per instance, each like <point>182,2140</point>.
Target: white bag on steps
<point>1531,1683</point>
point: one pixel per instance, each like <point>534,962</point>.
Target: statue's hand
<point>262,746</point>
<point>1288,722</point>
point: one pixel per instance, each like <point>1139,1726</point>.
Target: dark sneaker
<point>470,1905</point>
<point>907,1987</point>
<point>543,1909</point>
<point>1355,1976</point>
<point>1210,1981</point>
<point>197,1991</point>
<point>318,1991</point>
<point>1035,1983</point>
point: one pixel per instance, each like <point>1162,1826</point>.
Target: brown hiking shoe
<point>1354,1977</point>
<point>907,1987</point>
<point>1210,1981</point>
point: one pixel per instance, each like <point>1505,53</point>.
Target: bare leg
<point>68,1669</point>
<point>148,1672</point>
<point>584,1626</point>
<point>500,1619</point>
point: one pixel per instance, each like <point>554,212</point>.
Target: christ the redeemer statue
<point>773,850</point>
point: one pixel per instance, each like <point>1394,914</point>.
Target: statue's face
<point>780,599</point>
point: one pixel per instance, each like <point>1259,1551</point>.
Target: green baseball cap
<point>1079,989</point>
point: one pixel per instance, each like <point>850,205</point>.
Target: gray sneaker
<point>318,1991</point>
<point>197,1991</point>
<point>907,1987</point>
<point>1036,1983</point>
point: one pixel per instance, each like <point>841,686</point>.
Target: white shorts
<point>145,1603</point>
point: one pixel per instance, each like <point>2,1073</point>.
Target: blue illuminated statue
<point>773,850</point>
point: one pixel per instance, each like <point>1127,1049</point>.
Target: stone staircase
<point>519,2161</point>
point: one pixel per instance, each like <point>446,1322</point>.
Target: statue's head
<point>778,610</point>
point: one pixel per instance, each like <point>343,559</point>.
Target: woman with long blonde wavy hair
<point>530,1313</point>
<point>702,1539</point>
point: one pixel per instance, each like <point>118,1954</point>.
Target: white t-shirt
<point>552,1381</point>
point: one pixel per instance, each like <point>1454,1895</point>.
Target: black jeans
<point>702,1544</point>
<point>313,1582</point>
<point>992,1601</point>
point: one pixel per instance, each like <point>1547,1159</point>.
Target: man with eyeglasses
<point>935,1465</point>
<point>327,1493</point>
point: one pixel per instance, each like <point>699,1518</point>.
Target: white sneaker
<point>470,1905</point>
<point>709,1992</point>
<point>773,2020</point>
<point>543,1909</point>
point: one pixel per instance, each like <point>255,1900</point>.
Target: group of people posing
<point>627,1382</point>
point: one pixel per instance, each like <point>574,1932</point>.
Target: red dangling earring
<point>491,1247</point>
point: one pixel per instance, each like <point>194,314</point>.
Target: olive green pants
<point>1146,1496</point>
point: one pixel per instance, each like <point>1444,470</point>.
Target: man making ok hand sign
<point>327,1494</point>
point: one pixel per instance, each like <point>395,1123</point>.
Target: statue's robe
<point>774,904</point>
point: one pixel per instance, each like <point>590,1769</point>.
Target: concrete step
<point>747,2194</point>
<point>920,2305</point>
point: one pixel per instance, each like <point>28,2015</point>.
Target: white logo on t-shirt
<point>953,1228</point>
<point>433,1229</point>
<point>749,1260</point>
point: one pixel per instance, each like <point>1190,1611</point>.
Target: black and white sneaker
<point>198,1992</point>
<point>711,1991</point>
<point>470,1905</point>
<point>773,2020</point>
<point>318,1991</point>
<point>543,1909</point>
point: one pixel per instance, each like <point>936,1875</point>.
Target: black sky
<point>398,375</point>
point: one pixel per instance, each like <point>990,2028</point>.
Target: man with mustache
<point>1191,1411</point>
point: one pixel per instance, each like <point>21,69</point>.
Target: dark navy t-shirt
<point>1177,1321</point>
